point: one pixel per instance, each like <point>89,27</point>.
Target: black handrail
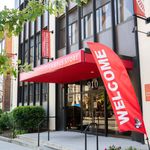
<point>45,119</point>
<point>39,131</point>
<point>91,124</point>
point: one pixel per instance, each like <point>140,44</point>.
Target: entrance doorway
<point>87,102</point>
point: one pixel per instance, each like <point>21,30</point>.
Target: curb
<point>5,139</point>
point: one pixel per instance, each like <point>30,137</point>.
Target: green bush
<point>28,117</point>
<point>131,148</point>
<point>113,147</point>
<point>5,121</point>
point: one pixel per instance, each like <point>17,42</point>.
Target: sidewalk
<point>66,140</point>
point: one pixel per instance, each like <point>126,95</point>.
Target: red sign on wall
<point>45,44</point>
<point>147,92</point>
<point>139,8</point>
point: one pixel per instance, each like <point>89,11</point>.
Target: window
<point>87,26</point>
<point>25,93</point>
<point>45,19</point>
<point>26,52</point>
<point>32,28</point>
<point>27,30</point>
<point>125,10</point>
<point>37,92</point>
<point>103,16</point>
<point>62,39</point>
<point>32,52</point>
<point>45,91</point>
<point>73,33</point>
<point>38,49</point>
<point>31,92</point>
<point>38,26</point>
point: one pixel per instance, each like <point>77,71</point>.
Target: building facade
<point>72,106</point>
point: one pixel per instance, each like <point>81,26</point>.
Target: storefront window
<point>31,92</point>
<point>45,91</point>
<point>87,26</point>
<point>125,10</point>
<point>103,16</point>
<point>25,93</point>
<point>37,92</point>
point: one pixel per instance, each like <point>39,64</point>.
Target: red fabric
<point>139,9</point>
<point>119,88</point>
<point>45,44</point>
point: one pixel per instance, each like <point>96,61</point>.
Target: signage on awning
<point>119,88</point>
<point>45,44</point>
<point>139,8</point>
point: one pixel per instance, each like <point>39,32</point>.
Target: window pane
<point>88,25</point>
<point>38,49</point>
<point>32,52</point>
<point>70,33</point>
<point>105,17</point>
<point>62,39</point>
<point>31,92</point>
<point>38,27</point>
<point>74,32</point>
<point>32,28</point>
<point>26,52</point>
<point>98,20</point>
<point>125,10</point>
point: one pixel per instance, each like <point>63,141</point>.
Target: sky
<point>8,3</point>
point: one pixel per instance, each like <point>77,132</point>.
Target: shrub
<point>28,117</point>
<point>5,121</point>
<point>131,148</point>
<point>113,147</point>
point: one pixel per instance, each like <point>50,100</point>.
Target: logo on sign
<point>141,5</point>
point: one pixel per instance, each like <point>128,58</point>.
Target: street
<point>11,146</point>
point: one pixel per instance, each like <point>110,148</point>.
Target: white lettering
<point>109,75</point>
<point>117,97</point>
<point>100,54</point>
<point>119,104</point>
<point>113,86</point>
<point>104,64</point>
<point>122,116</point>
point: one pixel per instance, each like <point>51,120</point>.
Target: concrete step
<point>53,146</point>
<point>25,143</point>
<point>32,143</point>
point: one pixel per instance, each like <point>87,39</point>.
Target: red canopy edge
<point>73,67</point>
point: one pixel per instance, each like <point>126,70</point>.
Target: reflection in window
<point>87,26</point>
<point>103,16</point>
<point>73,33</point>
<point>125,10</point>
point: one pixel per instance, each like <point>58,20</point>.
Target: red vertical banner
<point>119,88</point>
<point>45,44</point>
<point>139,8</point>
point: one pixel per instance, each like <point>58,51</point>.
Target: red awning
<point>73,67</point>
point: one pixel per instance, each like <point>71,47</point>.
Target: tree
<point>12,21</point>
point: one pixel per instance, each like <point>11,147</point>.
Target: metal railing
<point>39,125</point>
<point>85,131</point>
